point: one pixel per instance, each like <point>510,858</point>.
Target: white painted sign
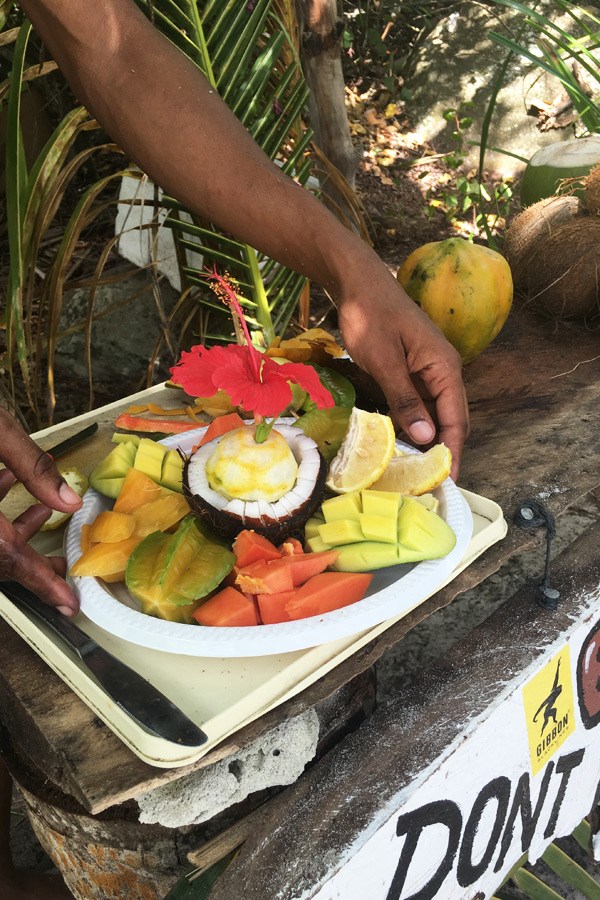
<point>525,774</point>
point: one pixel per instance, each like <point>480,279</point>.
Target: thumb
<point>407,408</point>
<point>34,468</point>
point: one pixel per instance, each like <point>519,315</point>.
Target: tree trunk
<point>321,30</point>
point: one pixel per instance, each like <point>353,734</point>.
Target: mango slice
<point>345,506</point>
<point>343,531</point>
<point>374,529</point>
<point>162,466</point>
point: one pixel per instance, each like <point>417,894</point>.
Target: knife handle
<point>61,625</point>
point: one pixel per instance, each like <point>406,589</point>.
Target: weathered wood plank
<point>353,791</point>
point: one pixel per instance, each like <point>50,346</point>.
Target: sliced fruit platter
<point>291,518</point>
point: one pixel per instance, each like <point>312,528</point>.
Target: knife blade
<point>134,694</point>
<point>72,441</point>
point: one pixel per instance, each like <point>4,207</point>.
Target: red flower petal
<point>266,397</point>
<point>195,370</point>
<point>310,382</point>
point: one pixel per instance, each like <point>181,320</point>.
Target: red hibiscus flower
<point>253,381</point>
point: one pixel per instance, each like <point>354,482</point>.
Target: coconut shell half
<point>275,520</point>
<point>229,523</point>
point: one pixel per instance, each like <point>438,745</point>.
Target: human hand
<point>25,462</point>
<point>392,339</point>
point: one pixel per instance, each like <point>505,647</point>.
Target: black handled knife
<point>134,694</point>
<point>73,441</point>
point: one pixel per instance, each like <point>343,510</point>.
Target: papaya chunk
<point>229,608</point>
<point>219,426</point>
<point>277,575</point>
<point>265,578</point>
<point>128,422</point>
<point>272,607</point>
<point>326,592</point>
<point>305,565</point>
<point>291,547</point>
<point>250,547</point>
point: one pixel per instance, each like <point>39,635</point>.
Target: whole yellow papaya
<point>466,289</point>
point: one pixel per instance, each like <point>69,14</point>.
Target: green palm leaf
<point>16,181</point>
<point>5,8</point>
<point>247,52</point>
<point>560,49</point>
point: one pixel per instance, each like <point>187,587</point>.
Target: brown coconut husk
<point>531,229</point>
<point>563,275</point>
<point>591,195</point>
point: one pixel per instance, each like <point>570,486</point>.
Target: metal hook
<point>533,514</point>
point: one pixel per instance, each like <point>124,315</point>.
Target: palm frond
<point>567,874</point>
<point>560,49</point>
<point>248,53</point>
<point>34,198</point>
<point>5,8</point>
<point>16,180</point>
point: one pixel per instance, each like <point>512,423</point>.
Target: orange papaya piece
<point>291,547</point>
<point>272,607</point>
<point>128,422</point>
<point>327,591</point>
<point>229,608</point>
<point>221,425</point>
<point>250,547</point>
<point>265,577</point>
<point>305,565</point>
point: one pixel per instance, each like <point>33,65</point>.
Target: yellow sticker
<point>549,710</point>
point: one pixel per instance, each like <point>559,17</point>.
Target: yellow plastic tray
<point>220,695</point>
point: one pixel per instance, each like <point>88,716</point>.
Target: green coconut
<point>552,168</point>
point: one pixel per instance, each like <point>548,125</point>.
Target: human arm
<point>161,110</point>
<point>25,462</point>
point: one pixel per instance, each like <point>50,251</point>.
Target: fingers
<point>453,419</point>
<point>29,522</point>
<point>409,409</point>
<point>36,469</point>
<point>7,479</point>
<point>410,348</point>
<point>19,562</point>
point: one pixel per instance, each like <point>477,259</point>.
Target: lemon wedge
<point>365,452</point>
<point>416,474</point>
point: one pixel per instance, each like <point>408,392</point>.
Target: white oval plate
<point>393,591</point>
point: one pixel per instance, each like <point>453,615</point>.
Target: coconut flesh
<point>557,163</point>
<point>233,483</point>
